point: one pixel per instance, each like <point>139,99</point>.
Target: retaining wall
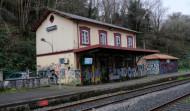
<point>25,83</point>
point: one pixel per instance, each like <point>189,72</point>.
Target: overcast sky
<point>177,6</point>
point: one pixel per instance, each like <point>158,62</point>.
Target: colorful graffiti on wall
<point>168,67</point>
<point>121,73</point>
<point>71,77</point>
<point>152,67</point>
<point>141,70</point>
<point>91,74</point>
<point>78,76</point>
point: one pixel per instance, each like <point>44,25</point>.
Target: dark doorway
<point>104,61</point>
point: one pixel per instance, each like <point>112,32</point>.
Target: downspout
<point>78,34</point>
<point>78,58</point>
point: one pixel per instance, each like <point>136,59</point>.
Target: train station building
<point>94,52</point>
<point>160,64</point>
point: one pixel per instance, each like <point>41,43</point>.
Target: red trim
<point>114,47</point>
<point>127,41</point>
<point>87,29</point>
<point>44,16</point>
<point>117,34</point>
<point>104,32</point>
<point>54,53</point>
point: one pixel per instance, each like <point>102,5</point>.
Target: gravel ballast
<point>149,101</point>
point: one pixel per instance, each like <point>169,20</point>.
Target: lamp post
<point>43,40</point>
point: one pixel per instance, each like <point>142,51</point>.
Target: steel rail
<point>170,103</point>
<point>120,94</point>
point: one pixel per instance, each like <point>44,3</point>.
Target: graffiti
<point>140,67</point>
<point>78,76</point>
<point>141,73</point>
<point>121,73</point>
<point>168,67</point>
<point>71,80</point>
<point>131,72</point>
<point>63,73</point>
<point>91,74</point>
<point>152,67</point>
<point>141,70</point>
<point>71,72</point>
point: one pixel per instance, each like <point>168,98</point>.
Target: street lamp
<point>43,40</point>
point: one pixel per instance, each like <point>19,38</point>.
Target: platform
<point>53,92</point>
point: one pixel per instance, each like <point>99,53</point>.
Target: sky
<point>177,6</point>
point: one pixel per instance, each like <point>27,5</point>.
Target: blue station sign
<point>51,28</point>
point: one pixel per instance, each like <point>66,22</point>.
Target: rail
<point>125,95</point>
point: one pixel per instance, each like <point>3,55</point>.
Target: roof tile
<point>159,56</point>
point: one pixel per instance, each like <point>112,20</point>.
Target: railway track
<point>165,105</point>
<point>118,97</point>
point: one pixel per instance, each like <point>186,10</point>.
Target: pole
<point>59,74</point>
<point>186,67</point>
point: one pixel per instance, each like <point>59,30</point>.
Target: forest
<point>168,33</point>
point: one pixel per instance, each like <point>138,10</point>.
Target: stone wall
<point>25,83</point>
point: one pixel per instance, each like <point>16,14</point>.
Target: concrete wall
<point>25,83</point>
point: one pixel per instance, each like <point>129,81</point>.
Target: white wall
<point>61,38</point>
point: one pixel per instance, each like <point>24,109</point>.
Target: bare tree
<point>157,12</point>
<point>108,8</point>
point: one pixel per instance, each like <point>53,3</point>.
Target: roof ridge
<point>91,20</point>
<point>157,56</point>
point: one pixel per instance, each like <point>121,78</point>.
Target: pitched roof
<point>159,56</point>
<point>76,17</point>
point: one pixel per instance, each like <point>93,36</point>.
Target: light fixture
<point>43,40</point>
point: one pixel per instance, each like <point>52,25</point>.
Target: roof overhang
<point>115,50</point>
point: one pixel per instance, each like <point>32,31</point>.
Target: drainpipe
<point>78,58</point>
<point>78,34</point>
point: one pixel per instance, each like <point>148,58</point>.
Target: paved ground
<point>53,91</point>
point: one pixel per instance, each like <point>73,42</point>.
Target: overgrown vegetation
<point>169,34</point>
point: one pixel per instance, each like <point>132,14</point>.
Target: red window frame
<point>87,29</point>
<point>127,41</point>
<point>104,32</point>
<point>117,34</point>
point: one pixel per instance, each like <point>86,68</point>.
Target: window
<point>117,39</point>
<point>84,36</point>
<point>130,42</point>
<point>103,37</point>
<point>51,19</point>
